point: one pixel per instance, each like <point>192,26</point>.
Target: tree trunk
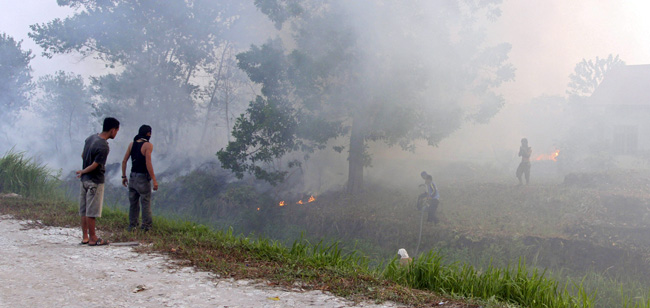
<point>217,79</point>
<point>355,159</point>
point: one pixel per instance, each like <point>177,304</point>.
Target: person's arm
<point>100,154</point>
<point>125,181</point>
<point>148,148</point>
<point>429,184</point>
<point>88,169</point>
<point>436,195</point>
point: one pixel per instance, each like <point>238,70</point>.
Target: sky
<point>15,19</point>
<point>548,39</point>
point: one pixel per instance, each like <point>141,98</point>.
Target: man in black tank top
<point>139,182</point>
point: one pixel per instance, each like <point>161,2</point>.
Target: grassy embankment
<point>312,266</point>
<point>588,234</point>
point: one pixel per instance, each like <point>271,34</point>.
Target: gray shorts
<point>91,199</point>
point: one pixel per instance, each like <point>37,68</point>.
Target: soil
<point>46,267</point>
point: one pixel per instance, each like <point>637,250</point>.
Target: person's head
<point>111,126</point>
<point>524,142</point>
<point>423,174</point>
<point>143,133</point>
<point>145,130</point>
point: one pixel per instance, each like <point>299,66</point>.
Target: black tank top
<point>138,161</point>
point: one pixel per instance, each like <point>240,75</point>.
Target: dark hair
<point>142,133</point>
<point>110,123</point>
<point>524,141</point>
<point>144,130</point>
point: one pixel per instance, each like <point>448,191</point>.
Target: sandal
<point>84,242</point>
<point>99,242</point>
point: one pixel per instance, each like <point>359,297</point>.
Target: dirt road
<point>46,267</point>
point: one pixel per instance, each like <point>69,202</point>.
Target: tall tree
<point>15,77</point>
<point>228,93</point>
<point>157,53</point>
<point>587,75</point>
<point>65,103</point>
<point>370,70</point>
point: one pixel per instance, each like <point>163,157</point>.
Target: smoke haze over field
<point>547,38</point>
<point>259,106</point>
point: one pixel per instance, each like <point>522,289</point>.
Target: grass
<point>310,266</point>
<point>26,177</point>
<point>550,224</point>
<point>318,265</point>
<point>517,285</point>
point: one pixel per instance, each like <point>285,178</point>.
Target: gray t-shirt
<point>95,150</point>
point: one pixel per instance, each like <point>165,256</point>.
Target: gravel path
<point>45,267</point>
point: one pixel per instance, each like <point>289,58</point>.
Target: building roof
<point>624,85</point>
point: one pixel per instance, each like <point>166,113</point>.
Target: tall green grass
<point>626,292</point>
<point>26,177</point>
<point>517,285</point>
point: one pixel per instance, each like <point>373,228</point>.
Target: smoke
<point>547,40</point>
<point>38,130</point>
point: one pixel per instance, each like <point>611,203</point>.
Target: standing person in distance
<point>430,198</point>
<point>524,166</point>
<point>139,182</point>
<point>94,157</point>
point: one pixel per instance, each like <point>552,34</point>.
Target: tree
<point>587,75</point>
<point>157,53</point>
<point>374,71</point>
<point>227,91</point>
<point>15,77</point>
<point>65,104</point>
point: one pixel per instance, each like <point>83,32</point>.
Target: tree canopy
<point>65,103</point>
<point>154,52</point>
<point>587,75</point>
<point>372,71</point>
<point>15,76</point>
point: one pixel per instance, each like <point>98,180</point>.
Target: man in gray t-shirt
<point>91,198</point>
<point>95,151</point>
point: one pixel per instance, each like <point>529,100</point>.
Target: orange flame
<point>299,202</point>
<point>311,199</point>
<point>553,156</point>
<point>258,208</point>
<point>281,203</point>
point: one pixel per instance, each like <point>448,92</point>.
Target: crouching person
<point>404,259</point>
